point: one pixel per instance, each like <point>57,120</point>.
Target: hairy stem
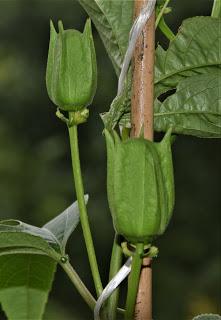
<point>134,282</point>
<point>79,285</point>
<point>82,208</point>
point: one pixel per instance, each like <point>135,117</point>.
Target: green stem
<point>81,288</point>
<point>160,15</point>
<point>82,208</point>
<point>160,22</point>
<point>133,281</point>
<point>216,10</point>
<point>166,30</point>
<point>116,262</point>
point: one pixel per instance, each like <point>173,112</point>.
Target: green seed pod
<point>140,186</point>
<point>71,75</point>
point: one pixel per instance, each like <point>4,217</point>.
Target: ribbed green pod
<point>71,75</point>
<point>140,186</point>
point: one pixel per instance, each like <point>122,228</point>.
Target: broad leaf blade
<point>62,226</point>
<point>119,14</point>
<point>26,262</point>
<point>25,281</point>
<point>195,49</point>
<point>194,109</point>
<point>191,66</point>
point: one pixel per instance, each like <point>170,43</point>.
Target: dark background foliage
<point>36,178</point>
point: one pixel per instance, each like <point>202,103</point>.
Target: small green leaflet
<point>28,259</point>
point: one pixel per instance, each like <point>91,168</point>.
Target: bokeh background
<point>36,177</point>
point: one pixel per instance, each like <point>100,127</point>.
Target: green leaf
<point>113,21</point>
<point>194,109</point>
<point>195,50</point>
<point>190,67</point>
<point>25,281</point>
<point>28,257</point>
<point>26,269</point>
<point>208,317</point>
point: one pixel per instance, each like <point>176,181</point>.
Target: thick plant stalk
<point>142,123</point>
<point>82,208</point>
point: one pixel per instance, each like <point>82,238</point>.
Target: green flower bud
<point>140,186</point>
<point>71,75</point>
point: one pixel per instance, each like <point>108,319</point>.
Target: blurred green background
<point>36,177</point>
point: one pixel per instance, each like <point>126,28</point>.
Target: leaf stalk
<point>79,285</point>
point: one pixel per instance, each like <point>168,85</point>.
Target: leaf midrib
<point>186,69</point>
<point>161,114</point>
